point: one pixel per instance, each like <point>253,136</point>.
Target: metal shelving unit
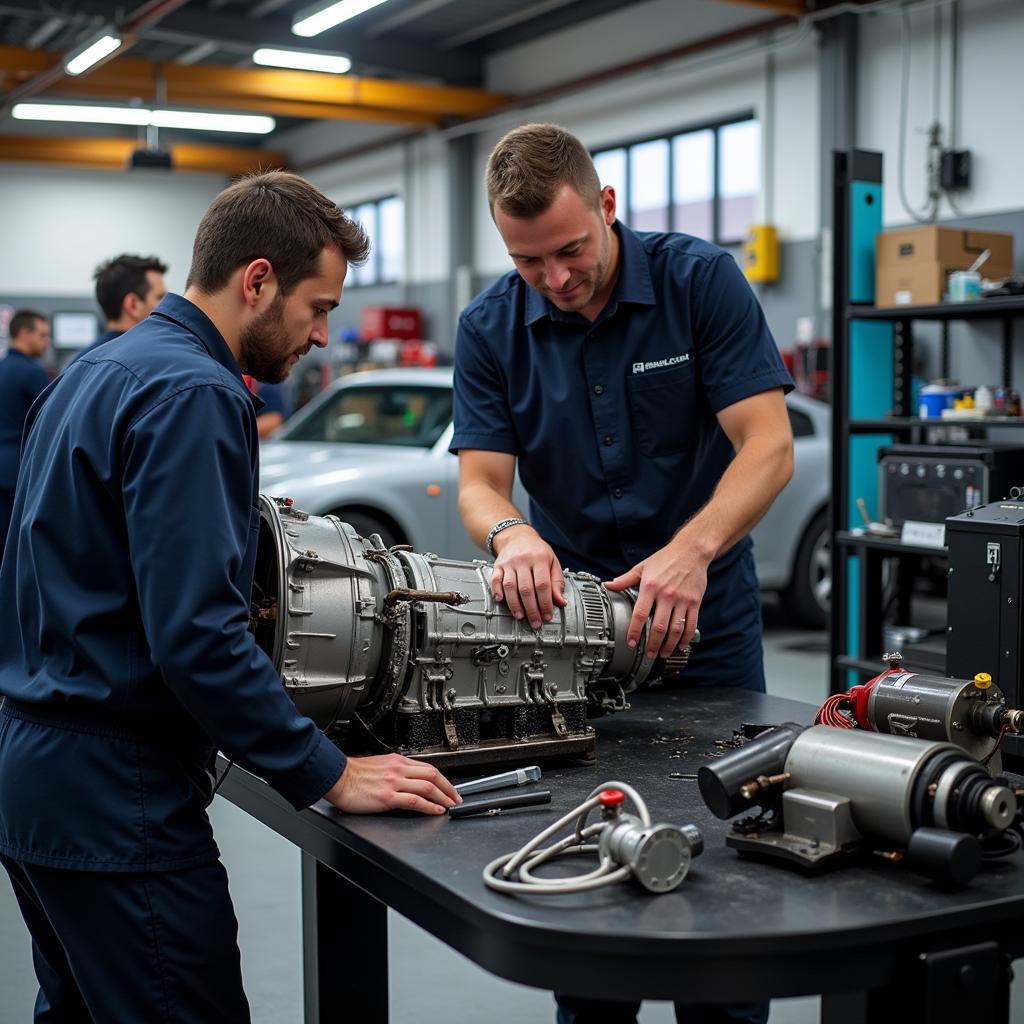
<point>882,363</point>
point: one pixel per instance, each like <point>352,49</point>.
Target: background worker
<point>633,380</point>
<point>128,289</point>
<point>271,413</point>
<point>22,380</point>
<point>125,654</point>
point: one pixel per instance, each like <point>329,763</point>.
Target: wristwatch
<point>502,524</point>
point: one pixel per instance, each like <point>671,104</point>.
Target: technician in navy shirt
<point>128,289</point>
<point>125,656</point>
<point>633,379</point>
<point>22,380</point>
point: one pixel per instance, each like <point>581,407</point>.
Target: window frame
<point>376,260</point>
<point>624,203</point>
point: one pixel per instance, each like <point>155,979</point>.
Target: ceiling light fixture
<point>192,120</point>
<point>302,60</point>
<point>314,20</point>
<point>98,46</point>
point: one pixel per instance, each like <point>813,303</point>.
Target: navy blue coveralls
<point>22,380</point>
<point>613,424</point>
<point>125,659</point>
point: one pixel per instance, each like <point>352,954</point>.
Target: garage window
<point>702,181</point>
<point>384,221</point>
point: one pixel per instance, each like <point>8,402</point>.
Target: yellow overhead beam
<point>221,88</point>
<point>113,154</point>
<point>796,8</point>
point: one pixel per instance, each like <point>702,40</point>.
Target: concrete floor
<point>429,982</point>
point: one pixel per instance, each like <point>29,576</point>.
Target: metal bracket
<point>968,983</point>
<point>451,736</point>
<point>558,721</point>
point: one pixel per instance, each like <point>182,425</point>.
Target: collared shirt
<point>22,380</point>
<point>124,602</point>
<point>93,345</point>
<point>614,422</point>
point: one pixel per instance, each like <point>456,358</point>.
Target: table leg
<point>344,949</point>
<point>945,986</point>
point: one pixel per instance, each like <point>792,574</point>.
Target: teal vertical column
<point>869,367</point>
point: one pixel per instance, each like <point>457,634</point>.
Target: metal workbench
<point>879,942</point>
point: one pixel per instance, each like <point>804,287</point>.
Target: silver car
<point>373,450</point>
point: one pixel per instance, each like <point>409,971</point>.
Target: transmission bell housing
<point>390,649</point>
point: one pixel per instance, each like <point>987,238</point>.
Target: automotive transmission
<point>410,652</point>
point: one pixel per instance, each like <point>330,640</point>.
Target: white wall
<point>991,119</point>
<point>58,224</point>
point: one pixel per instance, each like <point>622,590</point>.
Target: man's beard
<point>263,346</point>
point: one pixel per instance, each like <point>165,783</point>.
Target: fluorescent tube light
<point>89,115</point>
<point>252,124</point>
<point>92,52</point>
<point>318,19</point>
<point>302,61</point>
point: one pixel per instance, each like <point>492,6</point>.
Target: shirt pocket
<point>660,405</point>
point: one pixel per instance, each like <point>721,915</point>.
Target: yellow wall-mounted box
<point>761,253</point>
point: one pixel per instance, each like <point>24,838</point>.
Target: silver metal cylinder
<point>876,773</point>
<point>658,855</point>
<point>930,708</point>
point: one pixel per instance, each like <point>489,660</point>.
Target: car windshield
<point>378,414</point>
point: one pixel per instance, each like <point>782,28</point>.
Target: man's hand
<point>672,582</point>
<point>527,576</point>
<point>390,782</point>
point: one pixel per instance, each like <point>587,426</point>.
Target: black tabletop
<point>736,928</point>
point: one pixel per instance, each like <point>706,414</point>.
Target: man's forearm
<point>481,506</point>
<point>753,480</point>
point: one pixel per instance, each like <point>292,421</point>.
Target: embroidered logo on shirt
<point>658,364</point>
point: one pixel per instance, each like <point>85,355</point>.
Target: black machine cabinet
<point>985,629</point>
<point>928,482</point>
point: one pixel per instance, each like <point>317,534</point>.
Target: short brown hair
<point>531,163</point>
<point>276,216</point>
<point>24,320</point>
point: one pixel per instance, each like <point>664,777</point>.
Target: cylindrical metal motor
<point>971,713</point>
<point>414,648</point>
<point>889,781</point>
<point>838,787</point>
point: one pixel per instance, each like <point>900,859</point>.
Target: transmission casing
<point>392,649</point>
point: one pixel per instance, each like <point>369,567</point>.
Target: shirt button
<point>608,439</point>
<point>617,492</point>
<point>598,389</point>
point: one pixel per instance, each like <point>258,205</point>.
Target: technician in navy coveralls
<point>125,653</point>
<point>634,381</point>
<point>128,289</point>
<point>22,380</point>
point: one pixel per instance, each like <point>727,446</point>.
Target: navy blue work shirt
<point>614,422</point>
<point>124,607</point>
<point>22,380</point>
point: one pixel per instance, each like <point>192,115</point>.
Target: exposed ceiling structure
<point>415,63</point>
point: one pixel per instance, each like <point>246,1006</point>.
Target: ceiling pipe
<point>146,14</point>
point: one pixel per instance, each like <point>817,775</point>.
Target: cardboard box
<point>912,265</point>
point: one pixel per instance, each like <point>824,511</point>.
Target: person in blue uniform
<point>22,380</point>
<point>128,289</point>
<point>125,653</point>
<point>271,414</point>
<point>633,381</point>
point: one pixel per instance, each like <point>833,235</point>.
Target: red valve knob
<point>289,501</point>
<point>611,797</point>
